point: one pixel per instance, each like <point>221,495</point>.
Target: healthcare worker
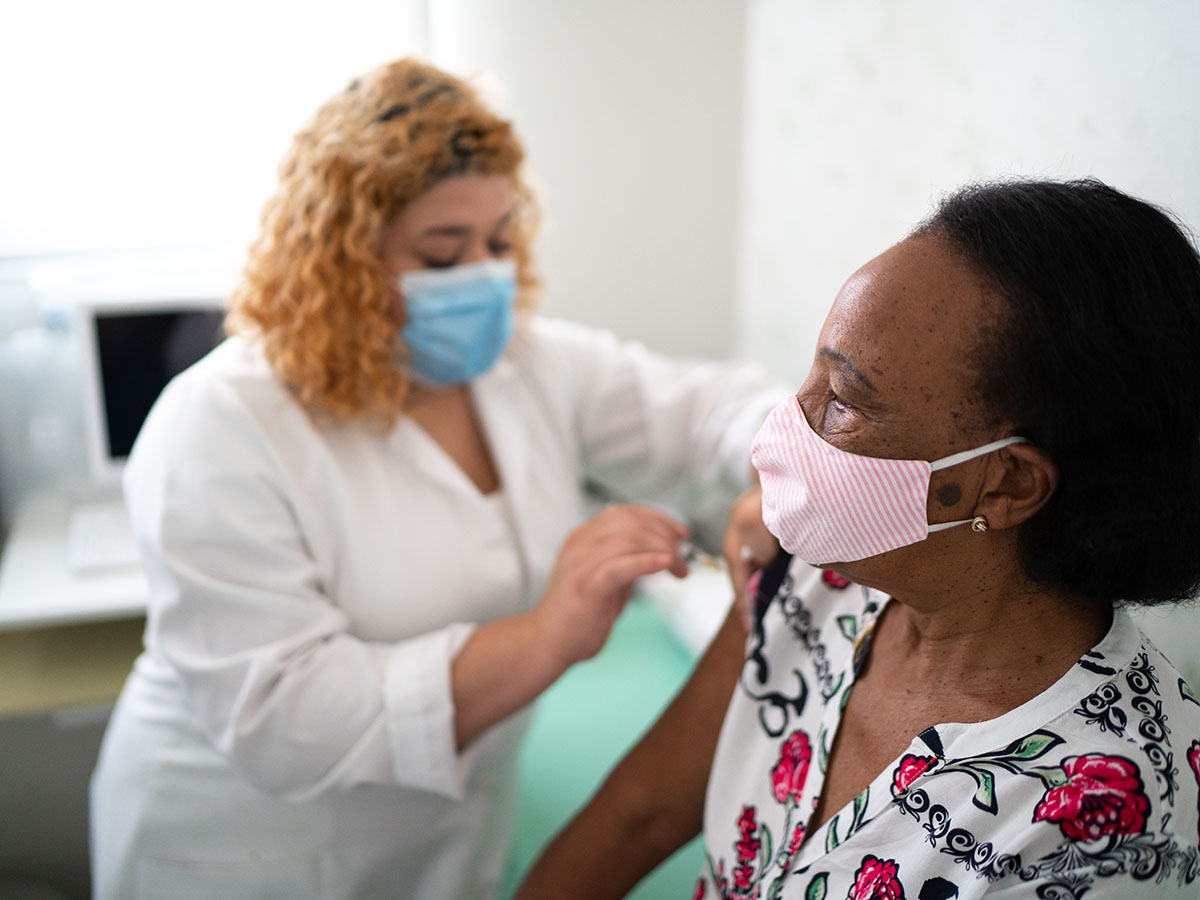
<point>365,520</point>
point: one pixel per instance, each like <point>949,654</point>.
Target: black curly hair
<point>1094,359</point>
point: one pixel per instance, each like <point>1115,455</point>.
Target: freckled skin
<point>910,318</point>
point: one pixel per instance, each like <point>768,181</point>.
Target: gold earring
<point>979,523</point>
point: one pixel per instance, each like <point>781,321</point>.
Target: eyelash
<point>502,248</point>
<point>838,414</point>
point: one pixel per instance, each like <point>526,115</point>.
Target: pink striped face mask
<point>828,505</point>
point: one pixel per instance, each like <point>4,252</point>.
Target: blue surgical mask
<point>459,320</point>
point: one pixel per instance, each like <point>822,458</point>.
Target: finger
<point>622,529</point>
<point>650,516</point>
<point>618,574</point>
<point>737,560</point>
<point>679,566</point>
<point>632,535</point>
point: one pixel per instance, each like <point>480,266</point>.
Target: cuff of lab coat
<point>420,712</point>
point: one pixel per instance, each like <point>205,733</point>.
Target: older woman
<point>364,521</point>
<point>943,696</point>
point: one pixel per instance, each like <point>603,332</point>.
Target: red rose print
<point>747,850</point>
<point>877,879</point>
<point>834,580</point>
<point>797,840</point>
<point>791,771</point>
<point>1103,795</point>
<point>910,769</point>
<point>700,889</point>
<point>1193,758</point>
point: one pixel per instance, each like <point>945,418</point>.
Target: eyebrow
<point>460,230</point>
<point>849,367</point>
<point>445,231</point>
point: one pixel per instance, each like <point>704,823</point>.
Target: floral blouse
<point>1088,790</point>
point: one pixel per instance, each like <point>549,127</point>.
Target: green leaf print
<point>822,751</point>
<point>831,838</point>
<point>837,686</point>
<point>816,888</point>
<point>849,627</point>
<point>764,849</point>
<point>985,791</point>
<point>1033,745</point>
<point>845,698</point>
<point>1186,692</point>
<point>1012,758</point>
<point>783,855</point>
<point>860,808</point>
<point>1051,777</point>
<point>985,782</point>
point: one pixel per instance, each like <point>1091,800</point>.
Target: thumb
<point>617,575</point>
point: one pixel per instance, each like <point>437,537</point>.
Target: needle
<point>693,554</point>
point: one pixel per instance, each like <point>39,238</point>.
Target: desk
<point>37,589</point>
<point>66,640</point>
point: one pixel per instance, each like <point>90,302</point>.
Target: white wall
<point>860,114</point>
<point>139,123</point>
<point>140,140</point>
<point>631,113</point>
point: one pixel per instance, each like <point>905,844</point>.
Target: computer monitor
<point>131,349</point>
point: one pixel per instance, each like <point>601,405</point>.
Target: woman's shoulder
<point>1101,796</point>
<point>234,364</point>
<point>227,395</point>
<point>547,342</point>
<point>1135,689</point>
<point>811,617</point>
<point>234,379</point>
<point>820,596</point>
<point>1109,784</point>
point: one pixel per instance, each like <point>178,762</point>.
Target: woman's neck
<point>1002,651</point>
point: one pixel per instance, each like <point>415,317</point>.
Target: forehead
<point>472,200</point>
<point>911,318</point>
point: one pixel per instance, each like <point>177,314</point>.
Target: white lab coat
<point>288,731</point>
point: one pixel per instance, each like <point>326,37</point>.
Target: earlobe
<point>1023,482</point>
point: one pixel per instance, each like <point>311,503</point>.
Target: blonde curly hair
<point>313,289</point>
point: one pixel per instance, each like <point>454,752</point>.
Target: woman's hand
<point>506,663</point>
<point>595,571</point>
<point>748,546</point>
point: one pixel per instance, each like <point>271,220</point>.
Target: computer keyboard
<point>99,537</point>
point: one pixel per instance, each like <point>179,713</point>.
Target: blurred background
<point>711,172</point>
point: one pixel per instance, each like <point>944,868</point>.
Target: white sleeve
<point>675,432</point>
<point>239,611</point>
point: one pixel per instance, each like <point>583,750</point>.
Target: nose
<point>476,251</point>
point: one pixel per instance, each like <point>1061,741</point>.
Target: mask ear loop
<point>979,523</point>
<point>955,458</point>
